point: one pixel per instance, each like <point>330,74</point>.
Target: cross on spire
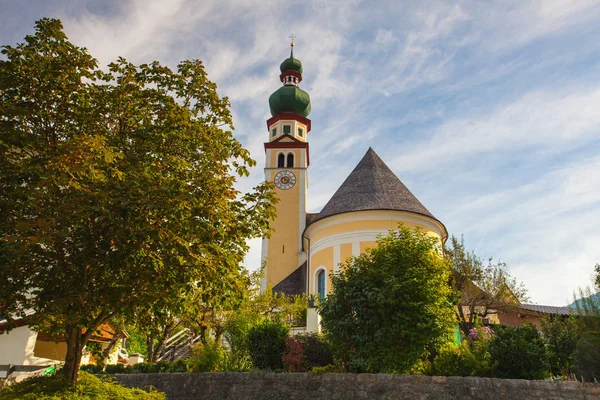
<point>292,37</point>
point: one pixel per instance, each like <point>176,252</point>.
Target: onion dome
<point>291,64</point>
<point>290,97</point>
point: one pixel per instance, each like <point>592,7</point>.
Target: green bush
<point>207,357</point>
<point>587,354</point>
<point>389,307</point>
<point>266,344</point>
<point>328,369</point>
<point>178,366</point>
<point>561,336</point>
<point>236,337</point>
<point>92,369</point>
<point>462,361</point>
<point>118,369</point>
<point>316,350</point>
<point>88,387</point>
<point>519,353</point>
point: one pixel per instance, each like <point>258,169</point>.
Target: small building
<point>24,346</point>
<point>532,314</point>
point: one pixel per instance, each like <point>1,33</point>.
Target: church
<point>305,249</point>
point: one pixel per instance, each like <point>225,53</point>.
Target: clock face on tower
<point>285,180</point>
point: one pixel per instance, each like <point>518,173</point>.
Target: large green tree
<point>390,306</point>
<point>116,189</point>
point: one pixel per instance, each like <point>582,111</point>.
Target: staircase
<point>179,346</point>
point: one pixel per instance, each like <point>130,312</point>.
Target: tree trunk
<point>74,352</point>
<point>150,348</point>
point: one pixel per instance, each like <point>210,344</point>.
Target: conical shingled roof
<point>372,186</point>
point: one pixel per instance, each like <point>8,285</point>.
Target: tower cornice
<point>287,115</point>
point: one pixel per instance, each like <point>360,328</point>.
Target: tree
<point>116,189</point>
<point>481,289</point>
<point>389,307</point>
<point>561,335</point>
<point>519,353</point>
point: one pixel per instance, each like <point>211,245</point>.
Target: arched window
<point>281,161</point>
<point>290,160</point>
<point>321,284</point>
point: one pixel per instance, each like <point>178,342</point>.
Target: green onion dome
<point>291,64</point>
<point>290,98</point>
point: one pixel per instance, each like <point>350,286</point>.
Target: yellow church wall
<point>283,250</point>
<point>376,220</point>
<point>367,245</point>
<point>321,258</point>
<point>335,239</point>
<point>345,252</point>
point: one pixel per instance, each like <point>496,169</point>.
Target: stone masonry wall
<point>292,386</point>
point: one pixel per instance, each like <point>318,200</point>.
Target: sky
<point>489,112</point>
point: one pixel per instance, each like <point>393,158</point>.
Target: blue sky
<point>488,111</point>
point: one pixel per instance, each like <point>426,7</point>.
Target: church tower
<point>287,160</point>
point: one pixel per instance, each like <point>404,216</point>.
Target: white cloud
<point>551,121</point>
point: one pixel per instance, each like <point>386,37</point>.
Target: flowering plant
<point>294,359</point>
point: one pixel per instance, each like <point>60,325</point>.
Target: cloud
<point>540,120</point>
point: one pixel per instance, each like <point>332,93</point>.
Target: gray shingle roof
<point>372,186</point>
<point>549,309</point>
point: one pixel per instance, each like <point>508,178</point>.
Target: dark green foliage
<point>316,350</point>
<point>561,335</point>
<point>178,366</point>
<point>93,368</point>
<point>139,368</point>
<point>389,307</point>
<point>266,344</point>
<point>88,387</point>
<point>207,357</point>
<point>462,361</point>
<point>136,342</point>
<point>236,336</point>
<point>587,354</point>
<point>519,353</point>
<point>118,369</point>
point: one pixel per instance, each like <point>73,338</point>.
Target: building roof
<point>553,310</point>
<point>372,186</point>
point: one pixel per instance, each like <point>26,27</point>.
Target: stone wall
<point>292,386</point>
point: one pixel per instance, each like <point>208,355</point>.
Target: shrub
<point>294,358</point>
<point>236,337</point>
<point>461,361</point>
<point>207,357</point>
<point>587,354</point>
<point>561,336</point>
<point>92,368</point>
<point>389,306</point>
<point>266,344</point>
<point>519,353</point>
<point>88,387</point>
<point>178,366</point>
<point>118,369</point>
<point>329,369</point>
<point>316,350</point>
